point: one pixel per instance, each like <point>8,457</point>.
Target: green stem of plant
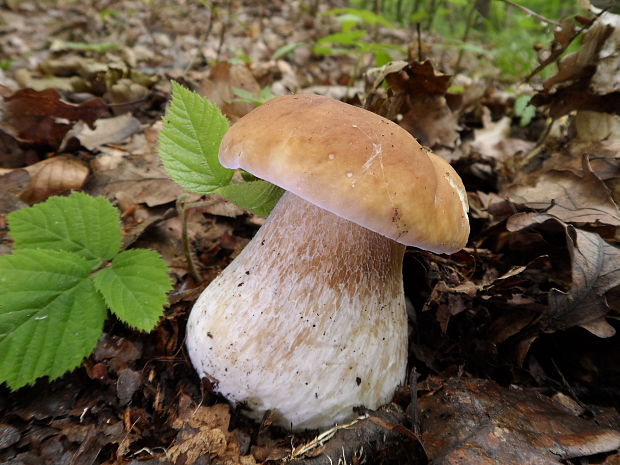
<point>184,208</point>
<point>468,24</point>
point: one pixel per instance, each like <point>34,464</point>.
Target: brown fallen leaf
<point>132,177</point>
<point>204,431</point>
<point>419,93</point>
<point>218,88</point>
<point>568,196</point>
<point>55,175</point>
<point>587,79</point>
<point>41,117</point>
<point>106,131</point>
<point>473,421</point>
<point>14,183</point>
<point>492,141</point>
<point>595,270</point>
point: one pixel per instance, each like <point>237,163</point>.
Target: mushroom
<point>309,320</point>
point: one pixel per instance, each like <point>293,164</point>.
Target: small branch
<point>532,13</point>
<point>557,53</point>
<point>184,208</point>
<point>468,24</point>
<point>420,56</point>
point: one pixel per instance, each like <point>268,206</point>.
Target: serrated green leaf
<point>85,225</point>
<point>190,140</point>
<point>256,196</point>
<point>135,287</point>
<point>51,316</point>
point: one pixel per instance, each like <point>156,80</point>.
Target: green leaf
<point>83,46</point>
<point>135,287</point>
<point>256,196</point>
<point>285,50</point>
<point>190,140</point>
<point>85,225</point>
<point>364,15</point>
<point>51,316</point>
<point>524,110</point>
<point>343,38</point>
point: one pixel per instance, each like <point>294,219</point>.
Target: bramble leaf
<point>190,140</point>
<point>135,287</point>
<point>51,316</point>
<point>257,196</point>
<point>87,226</point>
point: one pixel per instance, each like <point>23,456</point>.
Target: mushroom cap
<point>355,164</point>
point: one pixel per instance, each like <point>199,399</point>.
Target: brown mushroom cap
<point>355,164</point>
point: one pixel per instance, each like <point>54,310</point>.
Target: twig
<point>468,24</point>
<point>223,30</point>
<point>538,147</point>
<point>413,409</point>
<point>184,208</point>
<point>532,13</point>
<point>556,53</point>
<point>420,56</point>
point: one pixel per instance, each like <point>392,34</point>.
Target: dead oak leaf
<point>419,78</point>
<point>595,270</point>
<point>477,421</point>
<point>571,197</point>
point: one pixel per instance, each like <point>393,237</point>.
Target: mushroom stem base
<point>308,321</point>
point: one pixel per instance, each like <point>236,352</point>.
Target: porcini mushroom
<point>309,320</point>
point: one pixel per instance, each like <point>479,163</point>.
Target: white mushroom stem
<point>308,321</point>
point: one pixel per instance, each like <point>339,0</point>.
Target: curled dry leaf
<point>595,270</point>
<point>419,95</point>
<point>472,421</point>
<point>55,175</point>
<point>106,131</point>
<point>587,79</point>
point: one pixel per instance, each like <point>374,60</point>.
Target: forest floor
<point>514,355</point>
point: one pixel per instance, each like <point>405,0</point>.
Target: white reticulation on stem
<point>308,321</point>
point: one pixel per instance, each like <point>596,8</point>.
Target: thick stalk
<point>308,321</point>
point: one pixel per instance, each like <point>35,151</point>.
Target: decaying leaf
<point>218,88</point>
<point>43,118</point>
<point>570,197</point>
<point>418,93</point>
<point>56,175</point>
<point>132,177</point>
<point>472,421</point>
<point>595,270</point>
<point>492,141</point>
<point>587,79</point>
<point>14,183</point>
<point>204,432</point>
<point>105,131</point>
